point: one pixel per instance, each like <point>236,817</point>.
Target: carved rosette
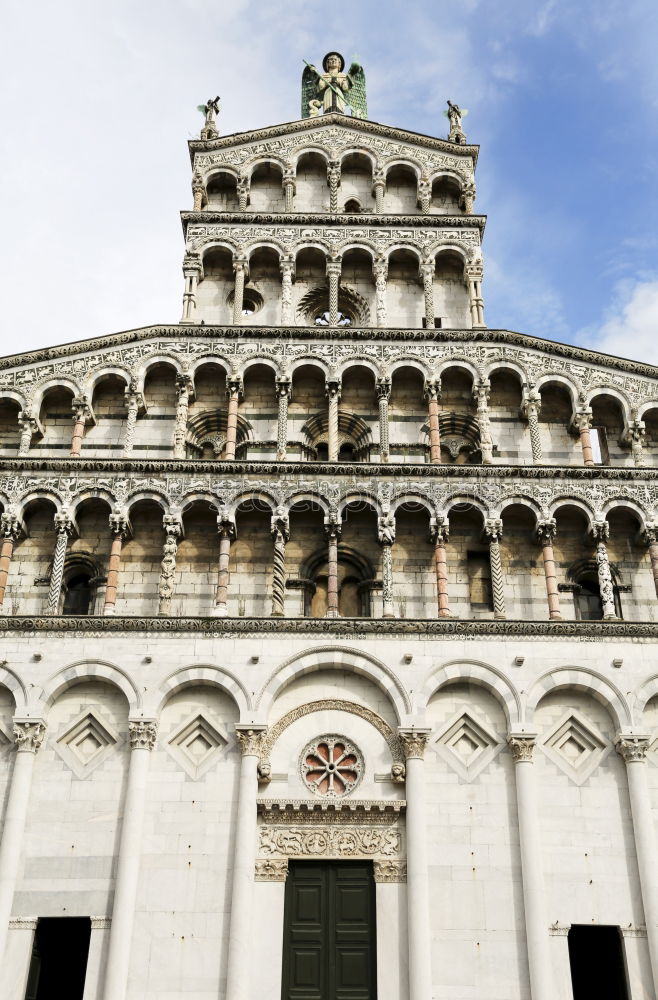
<point>414,742</point>
<point>331,766</point>
<point>522,748</point>
<point>142,734</point>
<point>633,749</point>
<point>29,735</point>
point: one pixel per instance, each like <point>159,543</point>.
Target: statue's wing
<point>309,89</point>
<point>357,95</point>
<point>201,108</point>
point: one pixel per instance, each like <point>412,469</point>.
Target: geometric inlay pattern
<point>86,743</point>
<point>196,744</point>
<point>467,744</point>
<point>576,746</point>
<point>331,766</point>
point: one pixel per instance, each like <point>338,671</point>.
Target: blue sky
<point>98,101</point>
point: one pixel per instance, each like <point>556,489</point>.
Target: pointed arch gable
<point>336,657</point>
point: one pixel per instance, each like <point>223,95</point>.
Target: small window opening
<point>599,442</point>
<point>588,599</point>
<point>479,581</point>
<point>322,452</point>
<point>598,966</point>
<point>346,453</point>
<point>322,319</point>
<point>437,322</point>
<point>58,966</point>
<point>77,598</point>
<point>353,206</point>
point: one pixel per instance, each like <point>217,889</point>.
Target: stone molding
<point>390,871</point>
<point>313,811</point>
<point>342,219</point>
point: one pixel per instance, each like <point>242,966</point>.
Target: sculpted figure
<point>326,92</point>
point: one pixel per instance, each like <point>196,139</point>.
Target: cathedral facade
<point>329,614</point>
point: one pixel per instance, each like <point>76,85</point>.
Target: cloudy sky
<point>98,100</point>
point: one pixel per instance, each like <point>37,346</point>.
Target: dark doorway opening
<point>329,936</point>
<point>59,958</point>
<point>598,966</point>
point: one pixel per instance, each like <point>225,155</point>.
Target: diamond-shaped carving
<point>86,743</point>
<point>467,744</point>
<point>576,746</point>
<point>196,744</point>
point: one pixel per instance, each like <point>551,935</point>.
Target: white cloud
<point>630,328</point>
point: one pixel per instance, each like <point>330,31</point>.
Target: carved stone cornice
<point>322,810</point>
<point>342,219</point>
<point>142,734</point>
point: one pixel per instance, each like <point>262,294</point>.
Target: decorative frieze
<point>335,841</point>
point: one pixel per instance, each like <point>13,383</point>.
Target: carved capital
<point>414,742</point>
<point>29,734</point>
<point>283,386</point>
<point>241,265</point>
<point>63,523</point>
<point>81,409</point>
<point>142,734</point>
<point>234,386</point>
<point>383,388</point>
<point>225,525</point>
<point>600,530</point>
<point>10,525</point>
<point>433,389</point>
<point>493,529</point>
<point>546,531</point>
<point>119,524</point>
<point>334,268</point>
<point>632,748</point>
<point>650,533</point>
<point>332,526</point>
<point>332,389</point>
<point>386,529</point>
<point>172,525</point>
<point>481,392</point>
<point>280,525</point>
<point>439,529</point>
<point>251,739</point>
<point>582,420</point>
<point>522,747</point>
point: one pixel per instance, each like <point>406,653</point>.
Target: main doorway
<point>329,936</point>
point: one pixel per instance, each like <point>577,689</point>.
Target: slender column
<point>332,528</point>
<point>119,530</point>
<point>473,274</point>
<point>333,180</point>
<point>289,188</point>
<point>242,188</point>
<point>183,393</point>
<point>419,933</point>
<point>287,271</point>
<point>380,272</point>
<point>283,387</point>
<point>383,390</point>
<point>241,936</point>
<point>636,434</point>
<point>134,402</point>
<point>28,426</point>
<point>198,191</point>
<point>81,415</point>
<point>545,534</point>
<point>333,395</point>
<point>481,391</point>
<point>439,531</point>
<point>386,533</point>
<point>378,188</point>
<point>240,268</point>
<point>493,529</point>
<point>633,748</point>
<point>142,736</point>
<point>427,274</point>
<point>536,922</point>
<point>333,276</point>
<point>433,395</point>
<point>233,393</point>
<point>601,530</point>
<point>191,274</point>
<point>10,531</point>
<point>28,735</point>
<point>226,529</point>
<point>280,534</point>
<point>64,529</point>
<point>172,528</point>
<point>467,199</point>
<point>425,195</point>
<point>530,407</point>
<point>651,538</point>
<point>583,422</point>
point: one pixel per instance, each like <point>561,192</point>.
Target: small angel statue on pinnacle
<point>330,92</point>
<point>454,114</point>
<point>210,109</point>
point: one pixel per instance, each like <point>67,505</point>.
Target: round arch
<point>581,679</point>
<point>204,674</point>
<point>91,670</point>
<point>475,672</point>
<point>15,686</point>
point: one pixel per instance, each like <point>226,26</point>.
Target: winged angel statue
<point>324,93</point>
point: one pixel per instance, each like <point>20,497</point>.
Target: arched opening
<point>607,431</point>
<point>357,285</point>
<point>460,433</point>
<point>306,549</point>
<point>259,409</point>
<point>141,557</point>
<point>56,418</point>
<point>469,564</point>
<point>574,549</point>
<point>404,295</point>
<point>650,418</point>
<point>630,565</point>
<point>407,415</point>
<point>451,301</point>
<point>359,558</point>
<point>104,439</point>
<point>558,444</point>
<point>261,302</point>
<point>356,183</point>
<point>446,192</point>
<point>413,563</point>
<point>29,571</point>
<point>156,427</point>
<point>221,192</point>
<point>78,593</point>
<point>206,423</point>
<point>308,395</point>
<point>401,190</point>
<point>197,559</point>
<point>522,563</point>
<point>85,567</point>
<point>508,430</point>
<point>266,188</point>
<point>312,191</point>
<point>311,289</point>
<point>250,565</point>
<point>216,287</point>
<point>10,432</point>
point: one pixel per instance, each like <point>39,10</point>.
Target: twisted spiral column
<point>10,530</point>
<point>433,395</point>
<point>651,538</point>
<point>636,434</point>
<point>380,273</point>
<point>425,195</point>
<point>545,534</point>
<point>172,528</point>
<point>242,188</point>
<point>493,530</point>
<point>333,275</point>
<point>383,390</point>
<point>439,533</point>
<point>600,530</point>
<point>378,189</point>
<point>280,534</point>
<point>198,191</point>
<point>530,410</point>
<point>64,529</point>
<point>289,188</point>
<point>333,180</point>
<point>133,401</point>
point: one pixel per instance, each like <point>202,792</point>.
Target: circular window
<point>331,766</point>
<point>322,319</point>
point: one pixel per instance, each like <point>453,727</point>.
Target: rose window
<point>331,766</point>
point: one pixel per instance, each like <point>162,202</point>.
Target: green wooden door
<point>329,943</point>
